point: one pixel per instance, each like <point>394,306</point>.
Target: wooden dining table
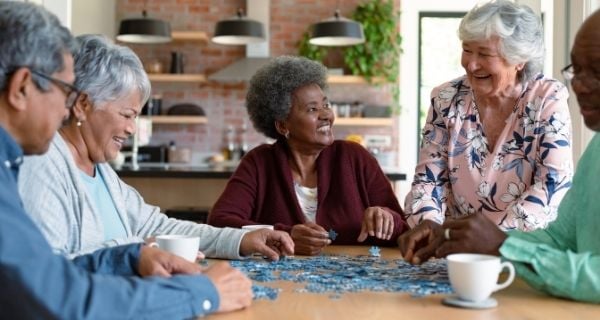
<point>518,301</point>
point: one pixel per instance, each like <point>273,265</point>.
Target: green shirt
<point>564,259</point>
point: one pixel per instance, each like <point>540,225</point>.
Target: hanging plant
<point>379,55</point>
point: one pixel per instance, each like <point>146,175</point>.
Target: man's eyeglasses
<point>587,80</point>
<point>70,90</point>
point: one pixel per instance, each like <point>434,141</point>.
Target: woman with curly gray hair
<point>497,141</point>
<point>306,183</point>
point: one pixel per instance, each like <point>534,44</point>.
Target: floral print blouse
<point>519,184</point>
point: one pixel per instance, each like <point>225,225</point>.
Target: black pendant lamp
<point>336,32</point>
<point>238,30</point>
<point>144,30</point>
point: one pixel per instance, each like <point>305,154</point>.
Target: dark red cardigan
<point>349,180</point>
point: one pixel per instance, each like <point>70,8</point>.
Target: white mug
<point>181,245</point>
<point>252,227</point>
<point>475,276</point>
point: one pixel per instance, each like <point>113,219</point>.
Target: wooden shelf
<point>197,36</point>
<point>178,119</point>
<point>363,122</point>
<point>349,80</point>
<point>167,77</point>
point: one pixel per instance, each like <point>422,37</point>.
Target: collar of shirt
<point>11,154</point>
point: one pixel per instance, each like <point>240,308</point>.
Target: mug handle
<point>511,275</point>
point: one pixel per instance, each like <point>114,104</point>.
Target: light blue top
<point>103,203</point>
<point>56,197</point>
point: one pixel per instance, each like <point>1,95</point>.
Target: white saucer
<point>455,301</point>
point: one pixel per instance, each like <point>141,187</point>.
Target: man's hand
<point>156,262</point>
<point>420,243</point>
<point>378,222</point>
<point>269,243</point>
<point>309,238</point>
<point>234,288</point>
<point>474,233</point>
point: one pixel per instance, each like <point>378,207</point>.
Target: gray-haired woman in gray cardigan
<point>77,199</point>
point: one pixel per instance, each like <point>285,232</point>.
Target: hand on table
<point>269,243</point>
<point>309,238</point>
<point>156,262</point>
<point>421,242</point>
<point>474,233</point>
<point>234,288</point>
<point>378,222</point>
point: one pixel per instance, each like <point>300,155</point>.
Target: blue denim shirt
<point>35,283</point>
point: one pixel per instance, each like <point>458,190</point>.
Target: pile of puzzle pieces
<point>338,274</point>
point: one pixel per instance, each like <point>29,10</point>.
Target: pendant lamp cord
<point>144,12</point>
<point>337,10</point>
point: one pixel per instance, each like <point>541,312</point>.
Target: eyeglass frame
<point>71,92</point>
<point>591,83</point>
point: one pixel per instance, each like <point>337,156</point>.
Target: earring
<point>78,123</point>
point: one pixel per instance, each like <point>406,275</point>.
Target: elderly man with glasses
<point>36,72</point>
<point>563,259</point>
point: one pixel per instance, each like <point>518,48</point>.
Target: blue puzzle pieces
<point>332,234</point>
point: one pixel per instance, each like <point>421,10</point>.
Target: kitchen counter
<point>199,186</point>
<point>207,172</point>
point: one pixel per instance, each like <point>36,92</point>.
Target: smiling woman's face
<point>311,118</point>
<point>108,126</point>
<point>488,72</point>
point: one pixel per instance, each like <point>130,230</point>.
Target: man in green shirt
<point>564,259</point>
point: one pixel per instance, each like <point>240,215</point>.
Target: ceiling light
<point>238,30</point>
<point>144,30</point>
<point>337,31</point>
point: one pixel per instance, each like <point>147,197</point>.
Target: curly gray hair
<point>269,96</point>
<point>31,37</point>
<point>518,27</point>
<point>107,71</point>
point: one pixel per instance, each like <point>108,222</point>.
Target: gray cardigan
<point>57,200</point>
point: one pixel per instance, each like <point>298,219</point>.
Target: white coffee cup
<point>258,226</point>
<point>181,245</point>
<point>475,276</point>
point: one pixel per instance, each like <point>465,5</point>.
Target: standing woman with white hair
<point>497,140</point>
<point>78,200</point>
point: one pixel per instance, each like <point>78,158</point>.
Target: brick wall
<point>224,103</point>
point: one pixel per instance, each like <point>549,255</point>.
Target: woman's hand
<point>234,288</point>
<point>378,222</point>
<point>309,238</point>
<point>421,242</point>
<point>269,243</point>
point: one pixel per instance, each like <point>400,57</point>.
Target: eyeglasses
<point>587,80</point>
<point>70,90</point>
